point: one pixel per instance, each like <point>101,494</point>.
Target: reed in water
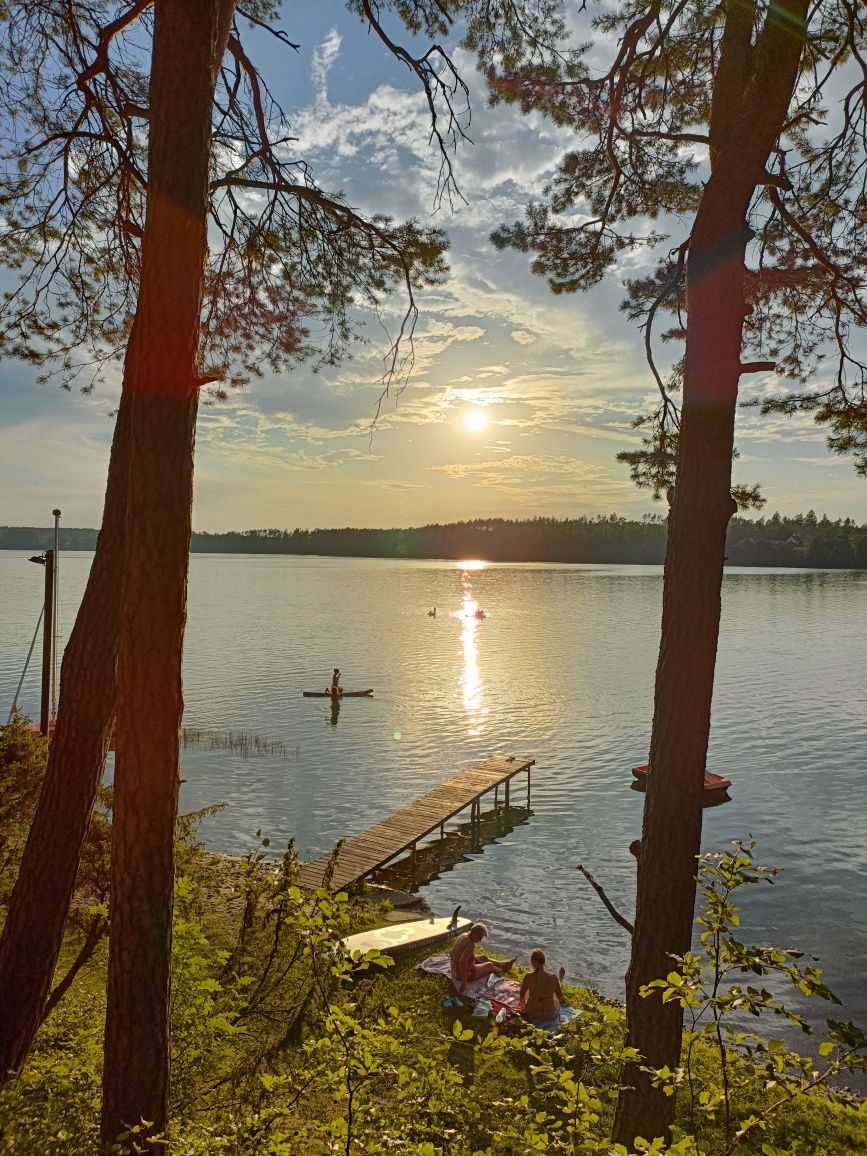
<point>243,743</point>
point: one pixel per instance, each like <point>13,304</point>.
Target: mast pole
<point>55,616</point>
<point>47,636</point>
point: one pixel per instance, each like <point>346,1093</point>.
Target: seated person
<point>466,965</point>
<point>540,990</point>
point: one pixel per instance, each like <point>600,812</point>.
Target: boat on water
<point>339,695</point>
<point>712,782</point>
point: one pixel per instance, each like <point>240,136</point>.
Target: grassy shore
<point>282,1045</point>
<point>417,1070</point>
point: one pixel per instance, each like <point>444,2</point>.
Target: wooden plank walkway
<point>362,854</point>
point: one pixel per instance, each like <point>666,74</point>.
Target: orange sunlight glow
<point>475,421</point>
<point>471,685</point>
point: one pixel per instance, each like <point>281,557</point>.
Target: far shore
<point>802,541</point>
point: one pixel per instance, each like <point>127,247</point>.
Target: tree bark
<point>33,932</point>
<point>162,380</point>
<point>752,94</point>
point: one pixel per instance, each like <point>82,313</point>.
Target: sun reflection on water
<point>470,683</point>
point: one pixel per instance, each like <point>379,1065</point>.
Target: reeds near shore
<point>244,743</point>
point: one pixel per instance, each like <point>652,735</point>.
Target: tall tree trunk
<point>161,377</point>
<point>751,96</point>
<point>684,684</point>
<point>33,932</point>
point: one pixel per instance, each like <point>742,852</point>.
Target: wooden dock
<point>402,831</point>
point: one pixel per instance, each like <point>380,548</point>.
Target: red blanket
<point>500,992</point>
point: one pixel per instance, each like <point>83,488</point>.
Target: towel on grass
<point>500,992</point>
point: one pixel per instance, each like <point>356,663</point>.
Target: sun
<point>475,421</point>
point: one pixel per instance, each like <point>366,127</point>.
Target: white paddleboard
<point>403,937</point>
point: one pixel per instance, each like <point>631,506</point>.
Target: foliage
<point>53,1105</point>
<point>796,540</point>
<point>291,267</point>
<point>799,540</point>
<point>644,89</point>
<point>753,1077</point>
<point>22,764</point>
<point>283,1044</point>
<point>23,756</point>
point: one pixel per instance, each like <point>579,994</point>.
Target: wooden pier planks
<point>371,848</point>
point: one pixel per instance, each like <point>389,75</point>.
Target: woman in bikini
<point>541,993</point>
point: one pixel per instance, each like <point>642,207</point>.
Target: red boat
<point>712,782</point>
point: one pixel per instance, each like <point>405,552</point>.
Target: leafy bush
<point>23,755</point>
<point>284,1044</point>
<point>736,1081</point>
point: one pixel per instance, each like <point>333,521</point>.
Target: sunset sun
<point>475,421</point>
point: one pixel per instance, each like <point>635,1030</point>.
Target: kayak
<point>342,694</point>
<point>712,782</point>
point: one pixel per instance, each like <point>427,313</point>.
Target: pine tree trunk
<point>33,931</point>
<point>684,685</point>
<point>161,377</point>
<point>753,89</point>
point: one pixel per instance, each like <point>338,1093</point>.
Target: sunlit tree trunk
<point>162,380</point>
<point>33,931</point>
<point>755,82</point>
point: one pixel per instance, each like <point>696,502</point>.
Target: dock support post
<point>412,869</point>
<point>528,790</point>
<point>506,794</point>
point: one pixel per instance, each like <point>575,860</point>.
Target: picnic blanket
<point>499,991</point>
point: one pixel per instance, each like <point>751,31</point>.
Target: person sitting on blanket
<point>540,990</point>
<point>466,965</point>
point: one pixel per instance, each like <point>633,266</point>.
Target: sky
<point>558,380</point>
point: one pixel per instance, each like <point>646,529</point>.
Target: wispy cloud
<point>324,55</point>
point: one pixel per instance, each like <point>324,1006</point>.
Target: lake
<point>561,670</point>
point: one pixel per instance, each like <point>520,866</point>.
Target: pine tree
<point>726,115</point>
<point>117,157</point>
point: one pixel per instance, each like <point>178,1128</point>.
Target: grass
<point>244,743</point>
<point>253,1019</point>
<point>57,1089</point>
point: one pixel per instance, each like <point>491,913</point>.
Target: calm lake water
<point>561,670</point>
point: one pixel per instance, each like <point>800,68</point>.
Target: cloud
<point>524,469</point>
<point>324,56</point>
<point>824,463</point>
<point>53,460</point>
<point>386,131</point>
<point>777,428</point>
<point>522,337</point>
<point>532,482</point>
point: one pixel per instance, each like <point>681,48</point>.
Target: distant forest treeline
<point>804,540</point>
